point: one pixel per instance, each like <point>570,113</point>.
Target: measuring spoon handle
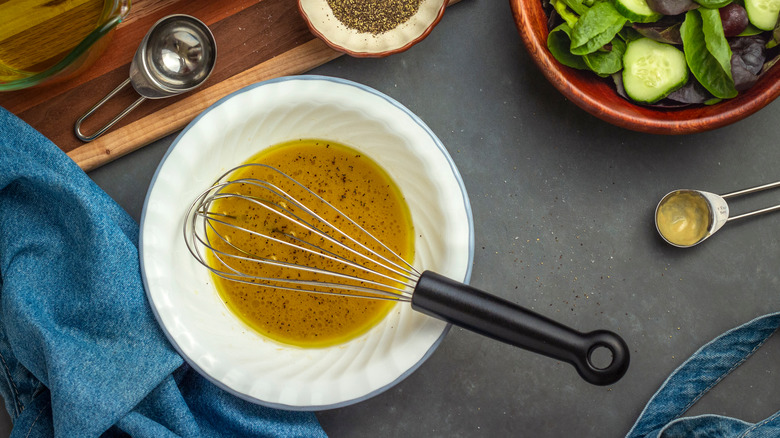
<point>87,138</point>
<point>747,192</point>
<point>751,190</point>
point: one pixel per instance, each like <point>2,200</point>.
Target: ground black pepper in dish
<point>373,16</point>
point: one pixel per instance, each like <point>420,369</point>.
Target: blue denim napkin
<point>80,350</point>
<point>663,415</point>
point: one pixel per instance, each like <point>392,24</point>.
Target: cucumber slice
<point>763,13</point>
<point>652,70</point>
<point>637,11</point>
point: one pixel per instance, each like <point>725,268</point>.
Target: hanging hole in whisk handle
<point>605,359</point>
<point>87,138</point>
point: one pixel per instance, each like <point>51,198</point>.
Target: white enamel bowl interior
<point>182,295</point>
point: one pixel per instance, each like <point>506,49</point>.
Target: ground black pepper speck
<point>373,16</point>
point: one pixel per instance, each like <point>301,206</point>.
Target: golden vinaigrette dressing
<point>684,218</point>
<point>358,187</point>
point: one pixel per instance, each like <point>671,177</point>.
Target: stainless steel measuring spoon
<point>685,218</point>
<point>177,55</point>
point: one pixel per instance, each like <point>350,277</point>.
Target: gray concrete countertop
<point>563,206</point>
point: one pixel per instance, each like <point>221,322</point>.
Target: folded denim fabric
<point>663,414</point>
<point>81,352</point>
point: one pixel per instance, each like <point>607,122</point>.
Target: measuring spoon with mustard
<point>685,218</point>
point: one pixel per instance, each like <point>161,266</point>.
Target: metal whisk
<point>347,259</point>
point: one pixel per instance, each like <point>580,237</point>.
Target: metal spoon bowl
<point>176,56</point>
<point>685,218</point>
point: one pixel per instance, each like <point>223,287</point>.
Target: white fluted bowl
<point>187,306</point>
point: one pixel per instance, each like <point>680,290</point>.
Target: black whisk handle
<point>486,314</point>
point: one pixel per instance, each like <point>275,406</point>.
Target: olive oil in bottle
<point>37,34</point>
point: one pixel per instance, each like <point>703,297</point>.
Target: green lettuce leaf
<point>559,43</point>
<point>707,69</point>
<point>569,16</point>
<point>595,28</point>
<point>714,38</point>
<point>576,6</point>
<point>713,4</point>
<point>605,62</point>
<point>775,37</point>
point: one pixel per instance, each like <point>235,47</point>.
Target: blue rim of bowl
<point>433,347</point>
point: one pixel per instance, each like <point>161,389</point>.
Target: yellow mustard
<point>683,218</point>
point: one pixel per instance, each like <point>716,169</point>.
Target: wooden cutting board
<point>256,40</point>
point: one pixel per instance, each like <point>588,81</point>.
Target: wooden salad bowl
<point>598,97</point>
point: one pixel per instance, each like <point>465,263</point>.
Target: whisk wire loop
<point>392,279</point>
<point>328,235</point>
<point>284,213</point>
<point>246,256</point>
<point>367,234</point>
<point>299,244</point>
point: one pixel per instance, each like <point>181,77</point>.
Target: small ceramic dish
<point>323,23</point>
<point>181,293</point>
<point>598,97</point>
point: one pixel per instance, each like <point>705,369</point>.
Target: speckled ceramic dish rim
<point>155,181</point>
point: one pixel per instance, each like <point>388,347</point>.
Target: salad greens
<point>724,47</point>
<point>595,28</point>
<point>707,52</point>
